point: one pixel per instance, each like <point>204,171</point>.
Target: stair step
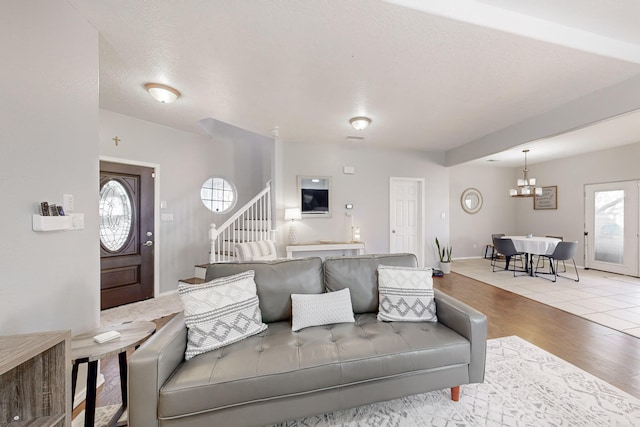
<point>246,235</point>
<point>192,281</point>
<point>256,223</point>
<point>201,270</point>
<point>226,257</point>
<point>230,254</point>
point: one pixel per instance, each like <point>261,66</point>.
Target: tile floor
<point>606,298</point>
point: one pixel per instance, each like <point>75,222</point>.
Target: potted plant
<point>444,253</point>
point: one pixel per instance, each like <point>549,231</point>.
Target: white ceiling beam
<point>610,102</point>
<point>473,12</point>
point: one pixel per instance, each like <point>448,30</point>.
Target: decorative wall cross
<point>116,140</point>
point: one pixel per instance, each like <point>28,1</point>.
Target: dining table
<point>533,245</point>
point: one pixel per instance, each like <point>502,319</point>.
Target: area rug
<point>148,310</point>
<point>103,417</point>
<point>524,386</point>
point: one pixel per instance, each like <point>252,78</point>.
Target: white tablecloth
<point>534,245</point>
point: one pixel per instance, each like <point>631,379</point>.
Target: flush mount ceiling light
<point>527,186</point>
<point>360,123</point>
<point>162,93</point>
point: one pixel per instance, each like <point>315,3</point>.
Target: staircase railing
<point>250,223</point>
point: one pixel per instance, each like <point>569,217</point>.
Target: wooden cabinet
<point>35,379</point>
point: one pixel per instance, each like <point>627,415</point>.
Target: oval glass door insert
<point>116,217</point>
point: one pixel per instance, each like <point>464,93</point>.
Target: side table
<point>85,350</point>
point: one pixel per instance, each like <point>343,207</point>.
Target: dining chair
<point>563,263</point>
<point>564,251</point>
<point>507,248</point>
<point>490,246</point>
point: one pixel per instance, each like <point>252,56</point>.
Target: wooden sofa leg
<point>455,393</point>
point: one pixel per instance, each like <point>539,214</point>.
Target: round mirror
<point>218,195</point>
<point>471,200</point>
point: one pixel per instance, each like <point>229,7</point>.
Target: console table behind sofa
<point>358,247</point>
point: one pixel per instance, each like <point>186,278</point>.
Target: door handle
<point>393,231</point>
<point>147,243</point>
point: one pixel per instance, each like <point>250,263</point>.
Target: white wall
<point>367,190</point>
<point>185,161</point>
<point>48,132</point>
<point>470,233</point>
<point>502,214</point>
<point>571,175</point>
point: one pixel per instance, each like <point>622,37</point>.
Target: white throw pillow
<point>321,309</point>
<point>406,294</point>
<point>259,250</point>
<point>220,312</point>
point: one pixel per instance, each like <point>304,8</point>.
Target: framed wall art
<point>548,199</point>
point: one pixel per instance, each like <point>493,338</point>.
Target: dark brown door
<point>126,234</point>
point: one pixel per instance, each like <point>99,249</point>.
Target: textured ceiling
<point>430,80</point>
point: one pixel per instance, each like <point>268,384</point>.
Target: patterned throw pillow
<point>406,294</point>
<point>220,312</point>
<point>321,309</point>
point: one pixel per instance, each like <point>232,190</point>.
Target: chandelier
<point>527,186</point>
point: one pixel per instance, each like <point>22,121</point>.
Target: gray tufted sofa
<point>280,375</point>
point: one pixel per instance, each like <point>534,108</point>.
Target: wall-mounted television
<point>314,200</point>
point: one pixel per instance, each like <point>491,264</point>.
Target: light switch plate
<point>67,203</point>
<point>77,221</point>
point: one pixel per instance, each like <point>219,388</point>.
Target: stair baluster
<point>249,223</point>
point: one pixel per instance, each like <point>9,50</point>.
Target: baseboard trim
<point>164,294</point>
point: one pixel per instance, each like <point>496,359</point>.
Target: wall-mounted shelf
<point>74,221</point>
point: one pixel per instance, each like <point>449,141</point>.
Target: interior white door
<point>612,223</point>
<point>406,216</point>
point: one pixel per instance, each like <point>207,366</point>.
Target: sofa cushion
<point>359,274</point>
<point>278,363</point>
<point>220,312</point>
<point>276,281</point>
<point>406,294</point>
<point>321,309</point>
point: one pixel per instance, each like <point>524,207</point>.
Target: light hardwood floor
<point>608,354</point>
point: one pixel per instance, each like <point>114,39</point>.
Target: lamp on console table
<point>292,214</point>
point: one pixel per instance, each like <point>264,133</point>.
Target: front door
<point>406,213</point>
<point>126,234</point>
<point>612,225</point>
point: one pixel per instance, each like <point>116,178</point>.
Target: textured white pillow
<point>406,294</point>
<point>259,250</point>
<point>321,309</point>
<point>220,312</point>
